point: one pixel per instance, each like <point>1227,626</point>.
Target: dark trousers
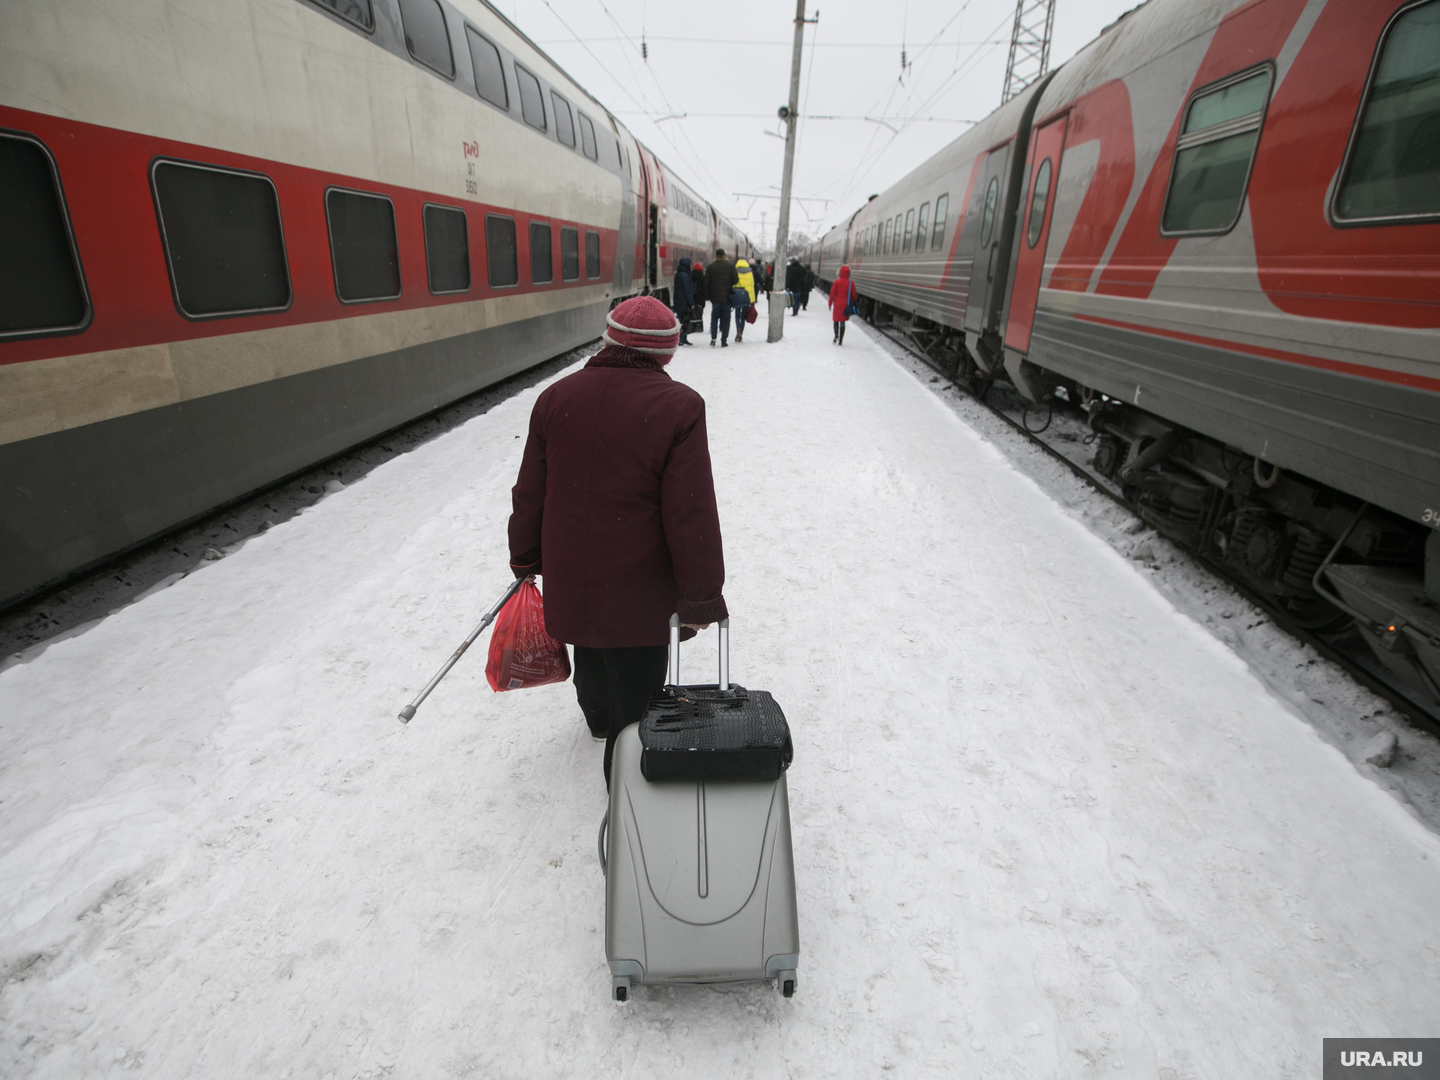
<point>720,316</point>
<point>683,318</point>
<point>613,687</point>
<point>795,302</point>
<point>741,307</point>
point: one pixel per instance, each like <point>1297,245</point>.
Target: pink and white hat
<point>645,325</point>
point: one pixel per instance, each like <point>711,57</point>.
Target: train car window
<point>426,35</point>
<point>564,120</point>
<point>353,11</point>
<point>501,264</point>
<point>223,240</point>
<point>922,227</point>
<point>363,250</point>
<point>489,74</point>
<point>592,255</point>
<point>447,249</point>
<point>41,287</point>
<point>570,254</point>
<point>542,262</point>
<point>909,231</point>
<point>587,138</point>
<point>532,105</point>
<point>987,220</point>
<point>942,204</point>
<point>1213,156</point>
<point>619,155</point>
<point>1392,167</point>
<point>1038,198</point>
<point>889,229</point>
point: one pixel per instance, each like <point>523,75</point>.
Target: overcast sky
<point>726,66</point>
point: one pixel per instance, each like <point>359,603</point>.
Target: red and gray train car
<point>1218,229</point>
<point>240,236</point>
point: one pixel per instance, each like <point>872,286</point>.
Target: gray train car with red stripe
<point>1217,228</point>
<point>242,237</point>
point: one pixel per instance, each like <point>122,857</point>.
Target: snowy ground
<point>1344,712</point>
<point>1045,823</point>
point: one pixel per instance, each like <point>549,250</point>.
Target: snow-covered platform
<point>1045,825</point>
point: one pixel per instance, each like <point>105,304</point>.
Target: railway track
<point>1345,648</point>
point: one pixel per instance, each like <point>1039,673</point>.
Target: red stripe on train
<point>1418,382</point>
<point>105,174</point>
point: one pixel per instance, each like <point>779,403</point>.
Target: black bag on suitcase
<point>713,732</point>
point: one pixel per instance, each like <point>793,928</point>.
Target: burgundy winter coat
<point>615,505</point>
<point>841,293</point>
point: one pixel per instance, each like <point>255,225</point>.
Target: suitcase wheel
<point>620,988</point>
<point>786,981</point>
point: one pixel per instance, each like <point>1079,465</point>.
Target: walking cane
<point>408,713</point>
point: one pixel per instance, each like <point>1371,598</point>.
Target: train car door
<point>1032,232</point>
<point>652,264</point>
<point>987,207</point>
<point>642,218</point>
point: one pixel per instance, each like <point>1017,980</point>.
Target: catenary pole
<point>782,228</point>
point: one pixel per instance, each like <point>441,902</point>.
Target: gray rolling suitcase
<point>699,874</point>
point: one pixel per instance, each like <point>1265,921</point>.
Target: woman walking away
<point>682,295</point>
<point>615,506</point>
<point>742,296</point>
<point>842,295</point>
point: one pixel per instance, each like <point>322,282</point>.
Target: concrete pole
<point>782,229</point>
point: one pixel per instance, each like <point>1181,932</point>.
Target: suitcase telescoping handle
<point>672,677</point>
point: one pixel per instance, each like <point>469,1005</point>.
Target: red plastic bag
<point>522,654</point>
<point>751,315</point>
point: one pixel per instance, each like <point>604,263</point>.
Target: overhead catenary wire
<point>665,98</point>
<point>645,108</point>
<point>966,66</point>
<point>708,42</point>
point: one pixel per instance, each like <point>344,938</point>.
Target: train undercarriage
<point>1326,560</point>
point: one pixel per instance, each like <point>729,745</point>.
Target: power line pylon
<point>1029,45</point>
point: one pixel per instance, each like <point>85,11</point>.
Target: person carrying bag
<point>614,506</point>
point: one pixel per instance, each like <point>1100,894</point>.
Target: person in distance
<point>807,282</point>
<point>697,279</point>
<point>720,278</point>
<point>742,296</point>
<point>794,279</point>
<point>615,507</point>
<point>842,293</point>
<point>682,295</point>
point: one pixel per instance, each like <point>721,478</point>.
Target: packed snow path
<point>1044,825</point>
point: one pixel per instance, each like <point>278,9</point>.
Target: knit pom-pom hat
<point>645,325</point>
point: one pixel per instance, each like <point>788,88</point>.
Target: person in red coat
<point>615,507</point>
<point>842,293</point>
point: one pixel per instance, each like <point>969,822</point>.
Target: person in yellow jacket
<point>742,296</point>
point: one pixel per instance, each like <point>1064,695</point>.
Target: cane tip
<point>407,714</point>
